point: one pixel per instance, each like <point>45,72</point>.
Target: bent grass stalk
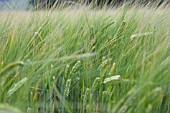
<point>10,67</point>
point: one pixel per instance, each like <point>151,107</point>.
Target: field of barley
<point>113,60</point>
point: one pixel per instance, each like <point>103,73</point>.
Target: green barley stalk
<point>104,63</point>
<point>112,69</point>
<point>95,84</point>
<point>85,98</point>
<point>66,70</point>
<point>75,67</point>
<point>132,37</point>
<point>107,26</point>
<point>116,36</point>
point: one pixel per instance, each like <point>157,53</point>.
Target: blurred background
<point>14,4</point>
<point>46,4</point>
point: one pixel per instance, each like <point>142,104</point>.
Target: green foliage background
<point>84,61</point>
<point>95,3</point>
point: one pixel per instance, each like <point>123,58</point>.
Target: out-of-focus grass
<point>114,60</point>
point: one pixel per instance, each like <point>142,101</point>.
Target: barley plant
<point>112,60</point>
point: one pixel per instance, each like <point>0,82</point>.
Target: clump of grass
<point>71,61</point>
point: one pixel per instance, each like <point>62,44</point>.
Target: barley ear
<point>16,87</point>
<point>67,88</point>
